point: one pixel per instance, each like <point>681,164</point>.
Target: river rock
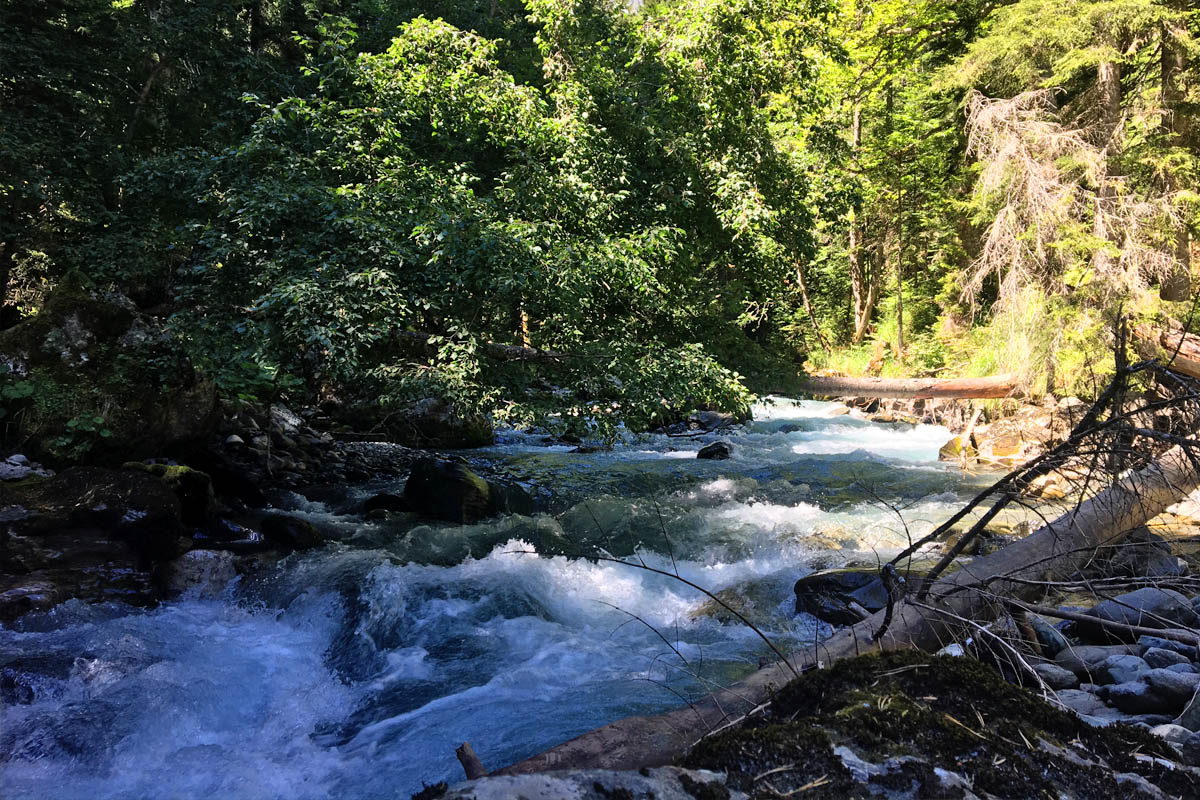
<point>204,573</point>
<point>1144,607</point>
<point>1056,677</point>
<point>1085,660</point>
<point>1159,658</point>
<point>428,424</point>
<point>1050,638</point>
<point>1190,717</point>
<point>717,451</point>
<point>1085,703</point>
<point>290,533</point>
<point>1141,553</point>
<point>18,468</point>
<point>1187,650</point>
<point>1135,697</point>
<point>384,501</point>
<point>1186,668</point>
<point>1175,734</point>
<point>1174,686</point>
<point>840,597</point>
<point>193,488</point>
<point>1120,669</point>
<point>447,490</point>
<point>661,783</point>
<point>710,420</point>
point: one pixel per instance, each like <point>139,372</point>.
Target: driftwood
<point>974,593</point>
<point>1183,349</point>
<point>471,764</point>
<point>918,388</point>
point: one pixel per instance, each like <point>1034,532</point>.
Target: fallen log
<point>1182,350</point>
<point>990,388</point>
<point>975,592</point>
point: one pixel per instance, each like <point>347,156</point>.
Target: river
<point>354,671</point>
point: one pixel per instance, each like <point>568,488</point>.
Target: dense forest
<point>583,212</point>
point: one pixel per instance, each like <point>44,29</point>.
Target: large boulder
<point>840,596</point>
<point>447,490</point>
<point>88,533</point>
<point>429,424</point>
<point>94,378</point>
<point>1150,607</point>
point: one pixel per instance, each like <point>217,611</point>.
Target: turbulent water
<point>356,670</point>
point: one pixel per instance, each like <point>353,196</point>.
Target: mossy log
<point>991,388</point>
<point>970,595</point>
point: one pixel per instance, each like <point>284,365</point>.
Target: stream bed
<point>357,669</point>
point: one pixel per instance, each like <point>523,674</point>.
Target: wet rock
<point>1189,749</point>
<point>1120,669</point>
<point>840,597</point>
<point>716,451</point>
<point>204,573</point>
<point>1174,686</point>
<point>18,468</point>
<point>429,424</point>
<point>1149,607</point>
<point>385,501</point>
<point>1168,644</point>
<point>710,420</point>
<point>1190,718</point>
<point>1175,734</point>
<point>958,448</point>
<point>447,490</point>
<point>193,488</point>
<point>1050,638</point>
<point>1159,658</point>
<point>1136,697</point>
<point>1056,677</point>
<point>290,533</point>
<point>662,783</point>
<point>1085,660</point>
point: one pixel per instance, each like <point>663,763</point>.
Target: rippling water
<point>356,670</point>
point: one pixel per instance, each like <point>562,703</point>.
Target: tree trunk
<point>860,281</point>
<point>1176,285</point>
<point>921,388</point>
<point>1108,88</point>
<point>812,317</point>
<point>975,592</point>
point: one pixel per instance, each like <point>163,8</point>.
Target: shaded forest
<point>578,214</point>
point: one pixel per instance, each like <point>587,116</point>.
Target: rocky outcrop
<point>91,377</point>
<point>447,490</point>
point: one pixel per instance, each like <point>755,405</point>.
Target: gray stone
<point>1137,698</point>
<point>1175,734</point>
<point>18,468</point>
<point>1049,638</point>
<point>234,439</point>
<point>1056,677</point>
<point>1190,718</point>
<point>1120,669</point>
<point>1189,749</point>
<point>1159,658</point>
<point>1174,686</point>
<point>1149,607</point>
<point>1084,703</point>
<point>1186,668</point>
<point>663,783</point>
<point>716,451</point>
<point>204,573</point>
<point>1083,660</point>
<point>1167,644</point>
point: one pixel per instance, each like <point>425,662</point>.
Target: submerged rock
<point>840,597</point>
<point>447,490</point>
<point>717,451</point>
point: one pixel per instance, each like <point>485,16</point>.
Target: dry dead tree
<point>948,608</point>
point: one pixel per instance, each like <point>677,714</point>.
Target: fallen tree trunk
<point>1182,349</point>
<point>916,388</point>
<point>975,592</point>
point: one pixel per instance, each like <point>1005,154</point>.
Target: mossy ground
<point>954,714</point>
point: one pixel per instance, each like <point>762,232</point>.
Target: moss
<point>924,712</point>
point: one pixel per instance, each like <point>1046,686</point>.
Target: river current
<point>356,670</point>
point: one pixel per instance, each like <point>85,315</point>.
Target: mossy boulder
<point>291,533</point>
<point>447,490</point>
<point>91,377</point>
<point>88,533</point>
<point>908,725</point>
<point>193,488</point>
